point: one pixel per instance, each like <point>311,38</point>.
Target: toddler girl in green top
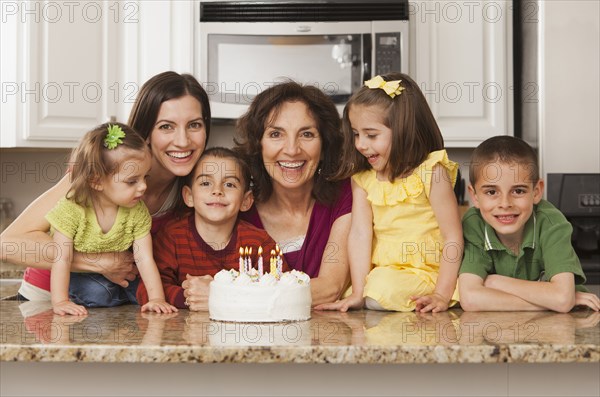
<point>103,212</point>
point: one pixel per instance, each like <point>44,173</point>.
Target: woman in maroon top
<point>291,138</point>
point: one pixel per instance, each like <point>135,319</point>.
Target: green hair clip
<point>114,137</point>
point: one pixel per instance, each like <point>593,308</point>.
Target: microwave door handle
<point>367,57</point>
<point>366,71</point>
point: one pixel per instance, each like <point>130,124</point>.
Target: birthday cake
<point>252,295</point>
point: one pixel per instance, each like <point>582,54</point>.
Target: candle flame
<point>260,250</point>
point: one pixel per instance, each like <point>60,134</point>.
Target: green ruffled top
<point>81,225</point>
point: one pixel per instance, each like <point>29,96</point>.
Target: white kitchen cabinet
<point>58,70</point>
<point>569,87</point>
<point>67,66</point>
<point>463,64</point>
<point>161,39</point>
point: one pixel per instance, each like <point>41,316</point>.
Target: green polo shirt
<point>546,249</point>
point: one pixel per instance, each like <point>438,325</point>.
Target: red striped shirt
<point>179,250</point>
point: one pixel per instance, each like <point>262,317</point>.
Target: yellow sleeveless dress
<point>407,244</point>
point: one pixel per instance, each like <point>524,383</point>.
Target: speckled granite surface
<point>10,271</point>
<point>31,332</point>
<point>9,288</point>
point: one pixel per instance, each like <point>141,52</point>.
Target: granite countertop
<point>9,288</point>
<point>29,331</point>
<point>10,271</point>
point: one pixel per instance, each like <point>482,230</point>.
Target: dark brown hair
<point>251,127</point>
<point>504,149</point>
<point>161,88</point>
<point>89,161</point>
<point>415,132</point>
<point>223,153</point>
<point>180,208</point>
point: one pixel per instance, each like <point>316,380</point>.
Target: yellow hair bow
<point>392,88</point>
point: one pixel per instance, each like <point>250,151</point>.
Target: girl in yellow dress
<point>405,242</point>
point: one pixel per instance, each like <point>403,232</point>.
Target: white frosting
<point>268,279</point>
<point>301,277</point>
<point>226,277</point>
<point>242,279</point>
<point>259,299</point>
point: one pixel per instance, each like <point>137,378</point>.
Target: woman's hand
<point>430,303</point>
<point>118,267</point>
<point>351,302</point>
<point>195,291</point>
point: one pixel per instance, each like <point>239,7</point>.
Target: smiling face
<point>372,138</point>
<point>217,192</point>
<point>505,195</point>
<point>178,137</point>
<point>291,146</point>
<point>126,186</point>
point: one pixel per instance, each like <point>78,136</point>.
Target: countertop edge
<point>304,354</point>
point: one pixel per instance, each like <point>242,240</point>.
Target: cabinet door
<point>64,70</point>
<point>463,66</point>
<point>156,36</point>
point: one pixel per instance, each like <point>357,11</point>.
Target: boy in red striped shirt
<point>190,250</point>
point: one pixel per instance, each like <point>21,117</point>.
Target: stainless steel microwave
<point>244,47</point>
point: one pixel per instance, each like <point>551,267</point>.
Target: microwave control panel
<point>387,53</point>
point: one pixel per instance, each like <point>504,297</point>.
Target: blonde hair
<point>90,160</point>
<point>415,132</point>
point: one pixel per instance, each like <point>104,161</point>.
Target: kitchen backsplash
<point>27,174</point>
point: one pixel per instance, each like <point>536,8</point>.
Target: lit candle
<point>276,260</point>
<point>279,265</point>
<point>241,260</point>
<point>273,269</point>
<point>246,259</point>
<point>260,261</point>
<point>249,258</point>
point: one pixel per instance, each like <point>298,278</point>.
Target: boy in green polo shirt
<point>518,252</point>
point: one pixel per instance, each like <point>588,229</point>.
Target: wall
<point>569,86</point>
<point>26,173</point>
<point>569,124</point>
